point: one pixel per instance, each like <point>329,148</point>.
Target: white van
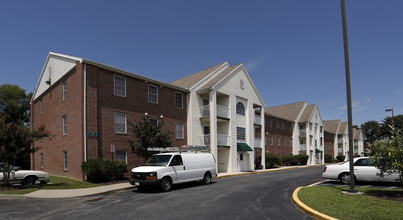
<point>166,169</point>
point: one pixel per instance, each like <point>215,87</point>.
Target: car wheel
<point>345,178</point>
<point>28,181</point>
<point>166,185</point>
<point>206,179</point>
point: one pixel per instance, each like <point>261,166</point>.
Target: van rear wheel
<point>206,179</point>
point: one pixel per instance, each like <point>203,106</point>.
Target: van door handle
<point>184,168</point>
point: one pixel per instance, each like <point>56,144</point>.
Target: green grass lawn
<point>331,201</point>
<point>55,182</point>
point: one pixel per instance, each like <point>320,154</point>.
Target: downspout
<point>85,113</point>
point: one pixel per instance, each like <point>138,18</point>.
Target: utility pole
<point>349,107</point>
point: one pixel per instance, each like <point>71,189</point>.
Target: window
<point>120,86</point>
<point>41,105</point>
<point>277,124</point>
<point>64,119</point>
<point>301,142</point>
<point>290,142</point>
<point>152,94</point>
<point>65,160</point>
<point>290,128</point>
<point>153,122</point>
<point>64,90</point>
<point>179,100</point>
<point>271,140</point>
<point>271,122</point>
<point>240,108</point>
<point>179,130</point>
<point>240,133</point>
<point>283,142</point>
<point>282,125</point>
<point>120,123</point>
<point>278,141</point>
<point>120,155</point>
<point>176,161</point>
<point>41,160</point>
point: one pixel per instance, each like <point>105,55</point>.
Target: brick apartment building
<point>278,136</point>
<point>87,107</point>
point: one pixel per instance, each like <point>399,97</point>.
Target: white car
<point>363,171</point>
<point>25,177</point>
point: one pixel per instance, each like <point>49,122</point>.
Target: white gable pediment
<point>56,66</point>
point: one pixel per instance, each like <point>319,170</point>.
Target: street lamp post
<point>390,110</point>
<point>348,88</point>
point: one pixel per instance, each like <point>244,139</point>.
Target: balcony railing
<point>222,140</point>
<point>302,132</point>
<point>257,119</point>
<point>302,147</point>
<point>340,140</point>
<point>340,150</point>
<point>222,111</point>
<point>258,143</point>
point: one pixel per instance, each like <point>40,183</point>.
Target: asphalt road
<point>256,196</point>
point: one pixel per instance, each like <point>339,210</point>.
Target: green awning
<point>318,151</point>
<point>243,147</point>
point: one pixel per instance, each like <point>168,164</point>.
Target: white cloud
<point>398,91</point>
<point>354,104</point>
<point>252,64</point>
<point>368,100</point>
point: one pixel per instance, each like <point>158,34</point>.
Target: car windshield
<point>158,160</point>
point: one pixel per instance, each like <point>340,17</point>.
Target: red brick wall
<point>329,143</point>
<point>54,108</point>
<point>285,133</point>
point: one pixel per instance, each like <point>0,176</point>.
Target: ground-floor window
<point>65,160</point>
<point>41,160</point>
<point>121,155</point>
<point>179,130</point>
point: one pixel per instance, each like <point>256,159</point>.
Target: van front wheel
<point>207,179</point>
<point>166,185</point>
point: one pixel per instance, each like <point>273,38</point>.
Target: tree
<point>16,136</point>
<point>387,154</point>
<point>371,131</point>
<point>396,122</point>
<point>149,135</point>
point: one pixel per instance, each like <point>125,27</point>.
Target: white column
<point>213,124</point>
<point>263,135</point>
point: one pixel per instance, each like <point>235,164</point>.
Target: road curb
<point>308,209</point>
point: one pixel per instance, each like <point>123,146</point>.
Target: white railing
<point>302,132</point>
<point>302,147</point>
<point>340,150</point>
<point>258,143</point>
<point>257,119</point>
<point>223,140</point>
<point>340,140</point>
<point>222,111</point>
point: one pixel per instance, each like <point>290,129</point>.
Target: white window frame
<point>241,133</point>
<point>125,153</point>
<point>180,129</point>
<point>152,95</point>
<point>271,140</point>
<point>64,123</point>
<point>283,141</point>
<point>64,88</point>
<point>114,86</point>
<point>115,122</point>
<point>41,106</point>
<point>42,160</point>
<point>278,141</point>
<point>176,100</point>
<point>65,161</point>
<point>240,111</point>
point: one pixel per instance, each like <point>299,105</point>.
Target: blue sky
<point>292,49</point>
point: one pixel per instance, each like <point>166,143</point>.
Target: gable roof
<point>308,111</point>
<point>219,77</point>
<point>191,80</point>
<point>331,126</point>
<point>67,58</point>
<point>342,128</point>
<point>357,133</point>
<point>288,112</point>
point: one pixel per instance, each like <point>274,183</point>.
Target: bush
<point>301,159</point>
<point>329,158</point>
<point>104,170</point>
<point>340,158</point>
<point>271,160</point>
<point>289,160</point>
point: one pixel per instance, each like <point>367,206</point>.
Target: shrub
<point>329,158</point>
<point>272,160</point>
<point>301,159</point>
<point>340,158</point>
<point>288,160</point>
<point>103,170</point>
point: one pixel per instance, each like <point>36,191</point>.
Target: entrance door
<point>242,158</point>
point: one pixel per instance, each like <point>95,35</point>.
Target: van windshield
<point>158,160</point>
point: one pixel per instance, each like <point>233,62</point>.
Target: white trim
<point>182,130</point>
<point>114,122</point>
<point>85,112</point>
<point>181,100</point>
<point>212,73</point>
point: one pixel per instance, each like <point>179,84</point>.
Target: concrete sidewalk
<point>69,193</point>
